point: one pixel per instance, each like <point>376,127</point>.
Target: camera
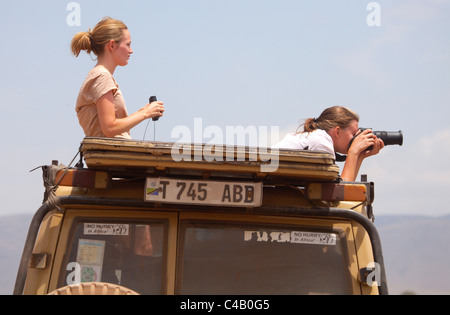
<point>388,137</point>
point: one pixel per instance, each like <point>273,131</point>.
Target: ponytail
<point>94,41</point>
<point>81,41</point>
<point>310,125</point>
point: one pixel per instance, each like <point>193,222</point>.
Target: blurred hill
<point>13,232</point>
<point>416,252</point>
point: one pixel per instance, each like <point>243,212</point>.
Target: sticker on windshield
<point>106,229</point>
<point>313,238</point>
<point>90,258</point>
<point>295,237</point>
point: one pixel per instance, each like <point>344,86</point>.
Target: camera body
<point>388,137</point>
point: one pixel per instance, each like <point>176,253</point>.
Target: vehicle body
<point>141,218</point>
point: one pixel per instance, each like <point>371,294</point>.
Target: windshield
<point>124,253</point>
<point>246,259</point>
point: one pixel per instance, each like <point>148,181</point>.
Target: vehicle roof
<point>114,154</point>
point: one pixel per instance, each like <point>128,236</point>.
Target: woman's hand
<point>359,150</point>
<point>379,144</point>
<point>154,109</point>
<point>362,143</point>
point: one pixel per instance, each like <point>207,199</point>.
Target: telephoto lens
<point>390,137</point>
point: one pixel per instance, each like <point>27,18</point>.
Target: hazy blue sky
<point>238,62</point>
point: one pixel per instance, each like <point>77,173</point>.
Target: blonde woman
<point>332,132</point>
<point>100,105</point>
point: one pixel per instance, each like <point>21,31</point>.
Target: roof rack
<point>113,154</point>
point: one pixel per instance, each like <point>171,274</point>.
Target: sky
<point>237,63</point>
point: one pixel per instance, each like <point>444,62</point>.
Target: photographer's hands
<point>366,144</point>
<point>377,146</point>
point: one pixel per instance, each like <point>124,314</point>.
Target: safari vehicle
<point>136,220</point>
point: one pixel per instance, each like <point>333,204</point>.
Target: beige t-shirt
<point>99,81</point>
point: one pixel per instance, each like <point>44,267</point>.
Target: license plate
<point>203,192</point>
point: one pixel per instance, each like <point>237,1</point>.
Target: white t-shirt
<point>318,140</point>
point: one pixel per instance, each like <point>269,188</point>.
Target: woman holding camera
<point>100,105</point>
<point>332,132</point>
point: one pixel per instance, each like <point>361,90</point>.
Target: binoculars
<point>151,100</point>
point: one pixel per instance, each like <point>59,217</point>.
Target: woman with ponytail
<point>332,132</point>
<point>100,105</point>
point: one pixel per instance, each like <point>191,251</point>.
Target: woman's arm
<point>112,126</point>
<point>358,152</point>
